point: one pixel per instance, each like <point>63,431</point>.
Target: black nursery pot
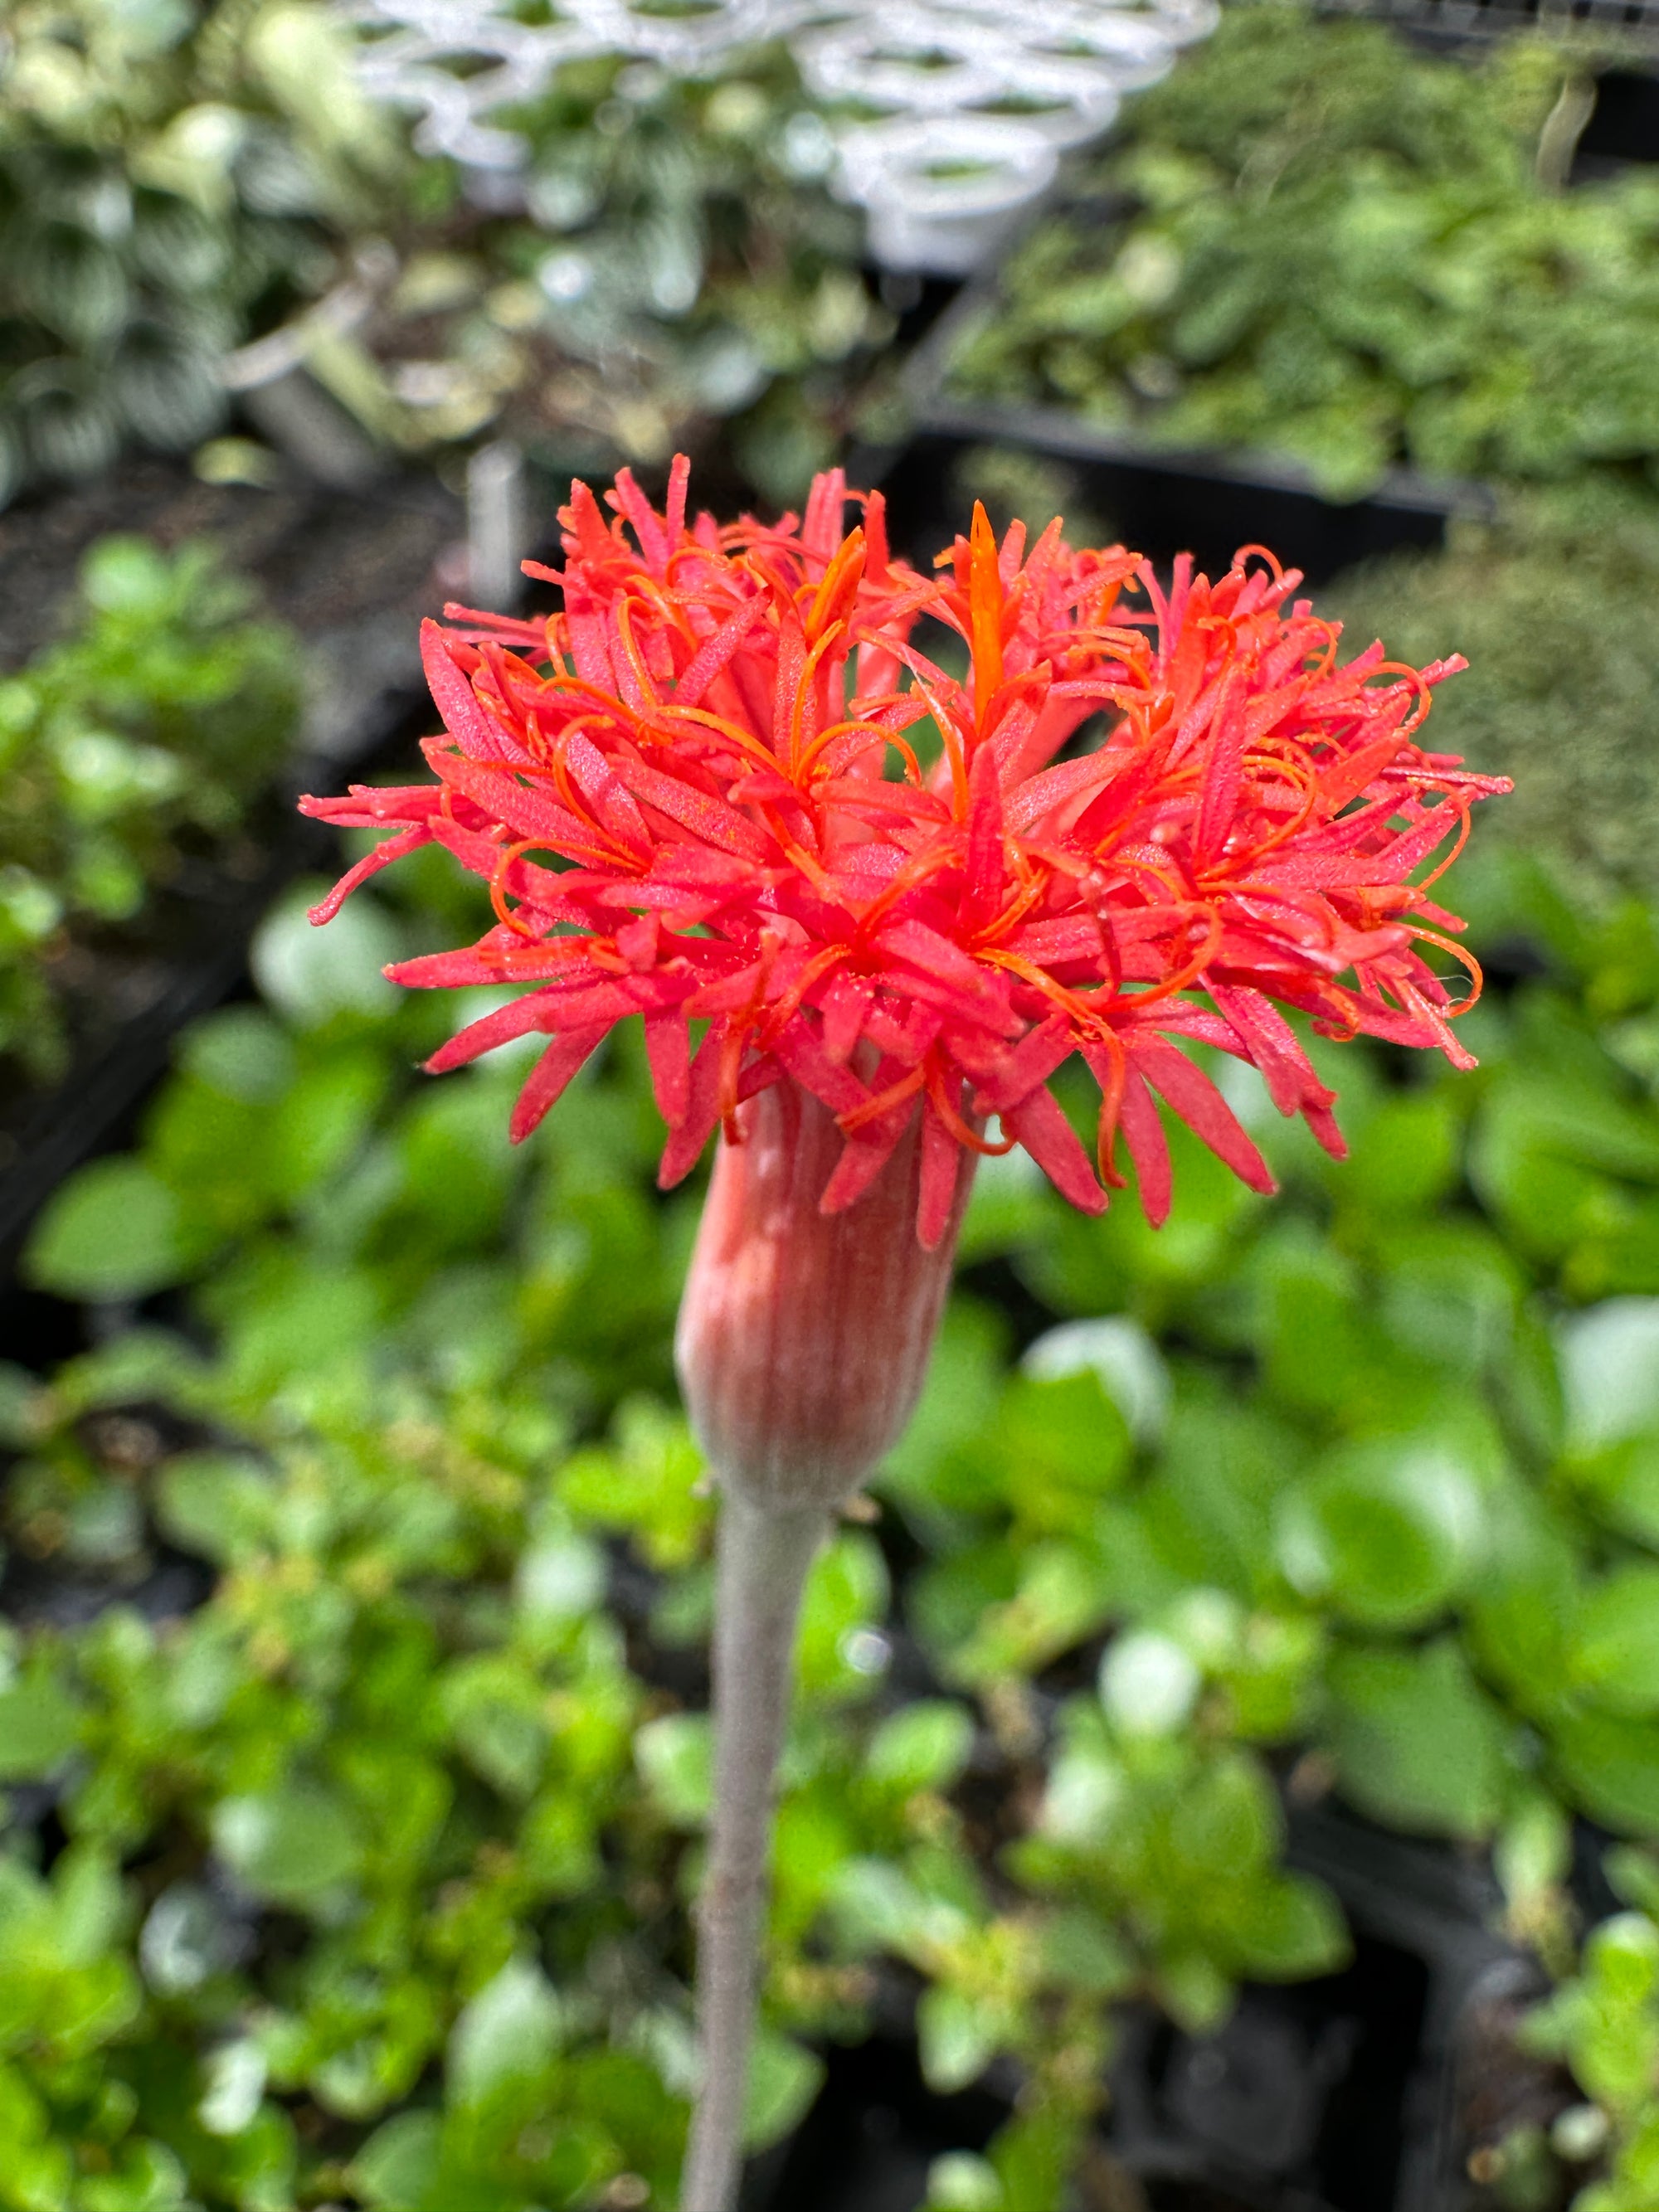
<point>350,570</point>
<point>1161,501</point>
<point>1364,2091</point>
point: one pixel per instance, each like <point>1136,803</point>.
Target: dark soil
<point>323,560</point>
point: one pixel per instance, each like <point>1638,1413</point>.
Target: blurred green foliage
<point>142,736</point>
<point>680,262</point>
<point>178,177</point>
<point>378,1860</point>
<point>1315,240</point>
<point>400,1730</point>
<point>1603,2023</point>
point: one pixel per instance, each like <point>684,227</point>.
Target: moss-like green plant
<point>1578,730</point>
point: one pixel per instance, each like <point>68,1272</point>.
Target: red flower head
<point>709,742</point>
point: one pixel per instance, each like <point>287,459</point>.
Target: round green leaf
<point>217,1504</point>
<point>1610,1763</point>
<point>1288,1928</point>
<point>784,2077</point>
<point>675,1757</point>
<point>1610,1368</point>
<point>1148,1684</point>
<point>241,1053</point>
<point>961,2182</point>
<point>1615,1655</point>
<point>959,2041</point>
<point>114,1231</point>
<point>1416,1743</point>
<point>846,1595</point>
<point>1404,1154</point>
<point>311,974</point>
<point>923,1746</point>
<point>397,2166</point>
<point>1384,1533</point>
<point>1620,1487</point>
<point>295,1845</point>
<point>39,1725</point>
<point>495,1710</point>
<point>506,2034</point>
<point>1119,1352</point>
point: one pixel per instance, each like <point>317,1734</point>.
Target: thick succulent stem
<point>764,1553</point>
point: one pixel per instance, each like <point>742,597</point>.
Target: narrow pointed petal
<point>388,850</point>
<point>464,718</point>
<point>550,1079</point>
<point>702,1113</point>
<point>862,1159</point>
<point>1204,1111</point>
<point>491,1029</point>
<point>668,1051</point>
<point>1149,1148</point>
<point>1049,1138</point>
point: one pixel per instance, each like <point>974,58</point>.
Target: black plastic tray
<point>1163,499</point>
<point>1628,26</point>
<point>1352,2093</point>
<point>1159,500</point>
<point>366,669</point>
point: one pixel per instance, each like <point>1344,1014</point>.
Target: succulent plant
<point>171,178</point>
<point>1315,240</point>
